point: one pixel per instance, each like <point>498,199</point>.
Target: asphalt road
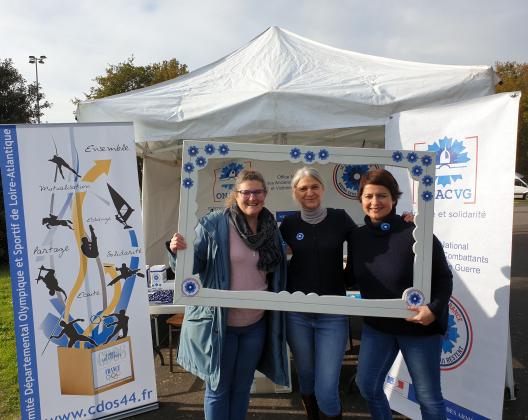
<point>181,394</point>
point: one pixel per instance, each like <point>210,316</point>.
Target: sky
<point>81,38</point>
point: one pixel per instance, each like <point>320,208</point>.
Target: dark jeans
<point>318,343</point>
<point>422,357</point>
<point>240,355</point>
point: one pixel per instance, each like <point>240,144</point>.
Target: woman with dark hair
<point>316,236</point>
<point>235,249</point>
<point>381,262</point>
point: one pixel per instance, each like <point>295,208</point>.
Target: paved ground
<point>181,394</point>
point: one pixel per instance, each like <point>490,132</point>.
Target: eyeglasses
<point>311,188</point>
<point>249,193</point>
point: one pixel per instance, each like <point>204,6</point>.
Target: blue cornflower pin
<point>299,236</point>
<point>385,226</point>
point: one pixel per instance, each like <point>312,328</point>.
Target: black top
<point>316,265</point>
<point>382,266</point>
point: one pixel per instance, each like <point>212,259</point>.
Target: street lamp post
<point>37,61</point>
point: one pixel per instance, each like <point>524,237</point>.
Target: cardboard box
<point>157,275</point>
<point>86,371</point>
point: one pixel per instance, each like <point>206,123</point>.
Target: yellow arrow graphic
<point>111,271</point>
<point>100,167</point>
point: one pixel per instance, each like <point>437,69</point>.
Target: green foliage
<point>17,106</point>
<point>514,78</point>
<point>9,403</point>
<point>126,76</point>
<point>18,99</point>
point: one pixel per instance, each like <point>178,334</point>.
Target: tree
<point>514,78</point>
<point>17,99</point>
<point>126,76</point>
<point>17,105</point>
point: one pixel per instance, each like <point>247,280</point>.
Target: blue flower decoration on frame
<point>385,226</point>
<point>412,157</point>
<point>188,167</point>
<point>187,183</point>
<point>295,153</point>
<point>426,160</point>
<point>223,149</point>
<point>209,149</point>
<point>323,154</point>
<point>190,287</point>
<point>201,161</point>
<point>397,156</point>
<point>417,170</point>
<point>309,156</point>
<point>427,180</point>
<point>427,195</point>
<point>413,296</point>
<point>193,151</point>
<point>415,299</point>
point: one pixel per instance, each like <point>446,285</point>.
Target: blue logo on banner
<point>458,339</point>
<point>452,155</point>
<point>19,270</point>
<point>456,168</point>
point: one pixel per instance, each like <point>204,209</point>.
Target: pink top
<point>244,276</point>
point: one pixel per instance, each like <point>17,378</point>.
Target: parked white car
<point>521,189</point>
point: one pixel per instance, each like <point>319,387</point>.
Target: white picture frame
<point>196,155</point>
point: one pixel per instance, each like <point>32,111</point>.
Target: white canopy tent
<point>280,88</point>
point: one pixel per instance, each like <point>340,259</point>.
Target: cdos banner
<point>71,198</point>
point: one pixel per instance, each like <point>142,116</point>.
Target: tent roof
<point>282,82</point>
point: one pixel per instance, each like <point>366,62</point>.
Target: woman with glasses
<point>316,236</point>
<point>238,248</point>
<point>381,262</point>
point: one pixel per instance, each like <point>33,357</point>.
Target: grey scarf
<point>313,216</point>
<point>263,241</point>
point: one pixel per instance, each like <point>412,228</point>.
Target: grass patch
<point>9,402</point>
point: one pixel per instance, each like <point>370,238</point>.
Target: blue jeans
<point>318,343</point>
<point>422,357</point>
<point>240,355</point>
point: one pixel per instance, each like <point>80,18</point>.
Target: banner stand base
<point>133,412</point>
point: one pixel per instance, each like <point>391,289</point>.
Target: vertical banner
<point>475,144</point>
<point>75,240</point>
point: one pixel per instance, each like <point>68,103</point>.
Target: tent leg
<point>510,382</point>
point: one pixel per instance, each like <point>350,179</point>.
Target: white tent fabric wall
<point>279,88</point>
<point>160,196</point>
